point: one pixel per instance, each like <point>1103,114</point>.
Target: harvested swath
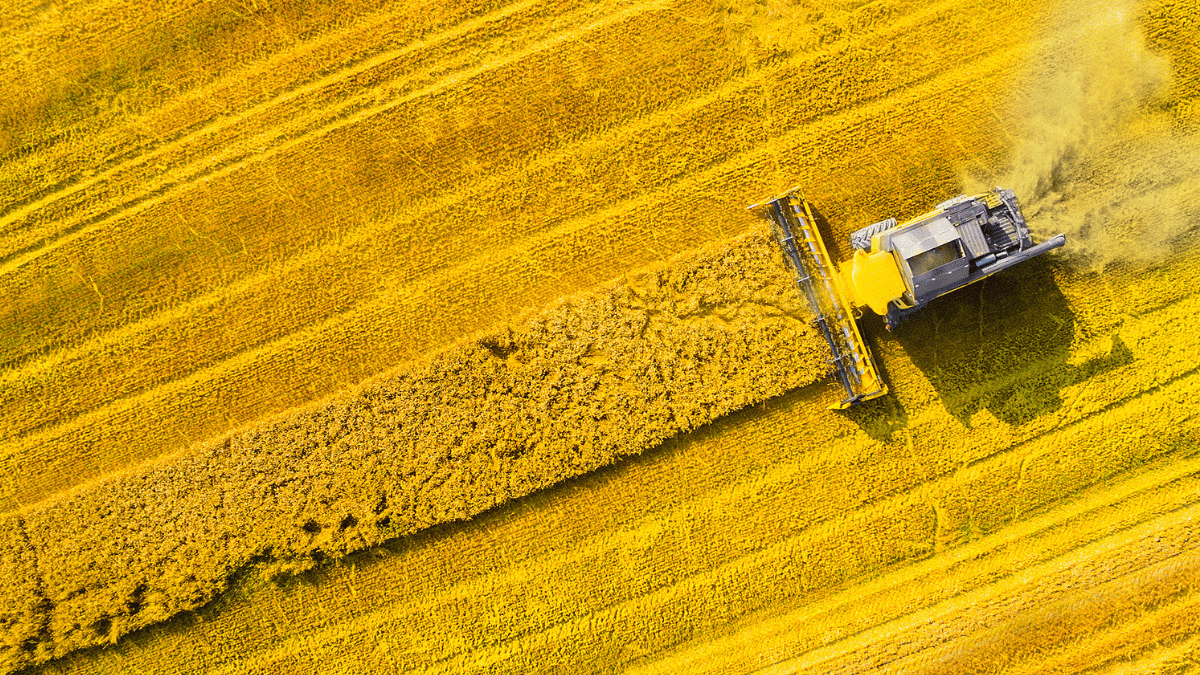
<point>596,378</point>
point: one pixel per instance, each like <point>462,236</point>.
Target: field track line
<point>1127,642</point>
<point>226,122</point>
<point>534,570</point>
<point>818,658</point>
<point>416,298</point>
<point>225,168</point>
<point>46,367</point>
<point>1171,659</point>
<point>568,232</point>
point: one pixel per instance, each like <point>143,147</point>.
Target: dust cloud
<point>1097,153</point>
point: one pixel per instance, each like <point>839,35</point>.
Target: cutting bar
<point>818,281</point>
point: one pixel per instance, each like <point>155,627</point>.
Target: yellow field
<point>278,393</point>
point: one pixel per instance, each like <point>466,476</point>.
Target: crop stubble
<point>667,529</point>
<point>341,273</point>
<point>955,459</point>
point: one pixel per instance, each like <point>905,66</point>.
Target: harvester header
<point>896,267</point>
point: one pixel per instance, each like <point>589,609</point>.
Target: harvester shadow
<point>1002,344</point>
<point>884,416</point>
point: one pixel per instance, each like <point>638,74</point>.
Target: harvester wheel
<point>896,316</point>
<point>861,240</point>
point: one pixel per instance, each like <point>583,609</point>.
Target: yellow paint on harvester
<point>873,280</point>
<point>279,202</point>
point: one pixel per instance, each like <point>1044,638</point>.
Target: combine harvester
<point>896,267</point>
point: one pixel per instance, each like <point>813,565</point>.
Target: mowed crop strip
<point>348,189</point>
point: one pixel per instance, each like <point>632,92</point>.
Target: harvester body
<point>896,266</point>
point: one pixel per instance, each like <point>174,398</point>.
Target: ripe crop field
<point>434,337</point>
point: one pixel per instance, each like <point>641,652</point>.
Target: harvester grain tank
<point>896,267</point>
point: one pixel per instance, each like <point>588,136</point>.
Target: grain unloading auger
<point>895,267</point>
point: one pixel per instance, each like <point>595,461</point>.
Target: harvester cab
<point>896,266</point>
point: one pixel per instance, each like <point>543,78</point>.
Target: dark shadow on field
<point>884,416</point>
<point>1002,344</point>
